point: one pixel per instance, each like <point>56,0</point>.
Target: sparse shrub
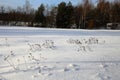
<point>84,44</point>
<point>9,61</point>
<point>37,60</point>
<point>34,47</point>
<point>6,42</point>
<point>47,44</point>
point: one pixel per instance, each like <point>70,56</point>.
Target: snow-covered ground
<point>59,54</point>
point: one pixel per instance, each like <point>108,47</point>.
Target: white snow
<point>59,54</point>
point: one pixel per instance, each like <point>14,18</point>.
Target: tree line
<point>65,15</point>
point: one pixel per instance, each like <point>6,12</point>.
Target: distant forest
<point>86,15</point>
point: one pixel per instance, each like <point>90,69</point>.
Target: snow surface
<point>59,54</point>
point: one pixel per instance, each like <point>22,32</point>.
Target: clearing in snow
<point>59,54</point>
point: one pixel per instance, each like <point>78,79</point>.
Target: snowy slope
<point>59,54</point>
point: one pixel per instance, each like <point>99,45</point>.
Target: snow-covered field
<point>59,54</point>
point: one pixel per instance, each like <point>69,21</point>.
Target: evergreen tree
<point>61,15</point>
<point>115,14</point>
<point>39,15</point>
<point>53,14</point>
<point>70,15</point>
<point>65,17</point>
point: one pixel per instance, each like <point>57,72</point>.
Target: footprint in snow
<point>76,69</point>
<point>103,65</point>
<point>64,70</point>
<point>72,65</point>
<point>100,76</point>
<point>47,74</point>
<point>41,74</point>
<point>2,78</point>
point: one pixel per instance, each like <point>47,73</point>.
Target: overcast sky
<point>36,3</point>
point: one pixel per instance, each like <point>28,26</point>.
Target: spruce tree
<point>70,15</point>
<point>61,15</point>
<point>65,17</point>
<point>39,15</point>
